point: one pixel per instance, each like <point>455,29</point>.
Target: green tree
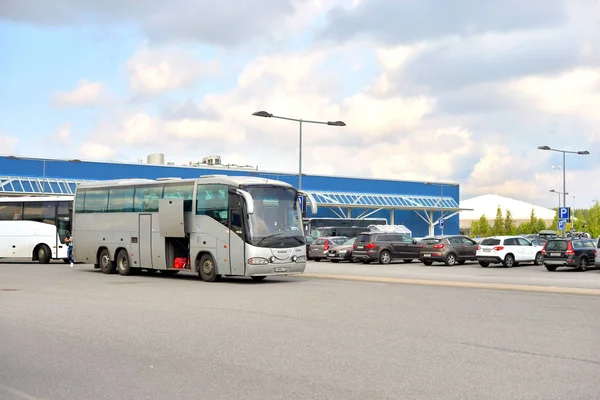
<point>554,224</point>
<point>509,224</point>
<point>483,227</point>
<point>498,227</point>
<point>538,226</point>
<point>593,220</point>
<point>474,229</point>
<point>524,228</point>
<point>579,223</point>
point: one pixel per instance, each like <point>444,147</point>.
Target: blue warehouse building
<point>417,205</point>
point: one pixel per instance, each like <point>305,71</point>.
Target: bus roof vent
<point>168,179</point>
<point>212,176</point>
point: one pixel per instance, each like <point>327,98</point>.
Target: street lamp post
<point>564,153</point>
<point>300,121</point>
<point>559,194</point>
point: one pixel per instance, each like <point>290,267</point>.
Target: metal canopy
<point>423,206</point>
<point>384,201</point>
<point>15,185</point>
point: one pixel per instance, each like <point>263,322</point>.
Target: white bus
<point>315,226</point>
<point>213,225</point>
<point>35,227</point>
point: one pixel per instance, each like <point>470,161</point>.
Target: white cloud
<point>8,145</point>
<point>63,134</point>
<point>454,104</point>
<point>153,71</point>
<point>575,92</point>
<point>85,94</point>
<point>97,151</point>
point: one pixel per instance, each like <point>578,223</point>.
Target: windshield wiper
<point>278,234</point>
<point>269,237</point>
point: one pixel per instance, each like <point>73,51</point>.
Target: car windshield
<point>275,221</point>
<point>430,241</point>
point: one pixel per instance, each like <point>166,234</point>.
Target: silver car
<point>319,249</point>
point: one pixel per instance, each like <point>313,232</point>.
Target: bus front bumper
<point>280,268</point>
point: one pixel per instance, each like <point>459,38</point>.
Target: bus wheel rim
<point>207,267</point>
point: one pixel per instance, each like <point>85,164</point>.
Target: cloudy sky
<point>456,90</point>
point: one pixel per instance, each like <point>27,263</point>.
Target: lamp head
<point>262,114</point>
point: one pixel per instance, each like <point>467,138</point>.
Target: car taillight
<point>498,248</point>
<point>478,247</point>
<point>370,246</point>
<point>439,246</point>
<point>570,250</point>
<point>354,246</point>
<point>326,246</point>
<point>544,251</point>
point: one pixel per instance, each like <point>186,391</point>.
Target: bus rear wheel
<point>207,270</point>
<point>123,266</point>
<point>106,265</point>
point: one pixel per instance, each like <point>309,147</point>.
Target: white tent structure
<point>488,204</point>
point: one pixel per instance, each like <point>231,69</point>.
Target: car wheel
<point>450,260</point>
<point>539,259</point>
<point>583,265</point>
<point>509,261</point>
<point>484,264</point>
<point>385,257</point>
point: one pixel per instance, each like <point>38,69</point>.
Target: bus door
<point>237,256</point>
<point>145,241</point>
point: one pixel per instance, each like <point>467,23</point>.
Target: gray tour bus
<point>212,225</point>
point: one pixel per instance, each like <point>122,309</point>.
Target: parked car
<point>385,247</point>
<point>309,240</point>
<point>570,252</point>
<point>320,247</point>
<point>448,249</point>
<point>342,252</point>
<point>508,251</point>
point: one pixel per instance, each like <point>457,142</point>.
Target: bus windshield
<point>275,222</point>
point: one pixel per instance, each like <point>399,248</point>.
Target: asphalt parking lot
<point>472,272</point>
<point>79,334</point>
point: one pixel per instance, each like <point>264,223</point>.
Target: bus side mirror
<point>249,200</point>
<point>313,204</point>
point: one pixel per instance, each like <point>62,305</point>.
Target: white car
<point>508,251</point>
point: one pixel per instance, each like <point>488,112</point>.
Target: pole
<point>564,189</point>
<point>300,159</point>
<point>442,217</point>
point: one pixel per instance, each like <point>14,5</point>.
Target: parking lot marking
<point>474,285</point>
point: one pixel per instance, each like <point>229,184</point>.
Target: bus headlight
<point>258,261</point>
<point>301,259</point>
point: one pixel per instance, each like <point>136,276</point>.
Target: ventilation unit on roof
<point>212,160</point>
<point>156,159</point>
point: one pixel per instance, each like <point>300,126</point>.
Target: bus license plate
<point>281,269</point>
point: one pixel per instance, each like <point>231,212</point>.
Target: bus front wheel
<point>43,254</point>
<point>207,270</point>
<point>123,266</point>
